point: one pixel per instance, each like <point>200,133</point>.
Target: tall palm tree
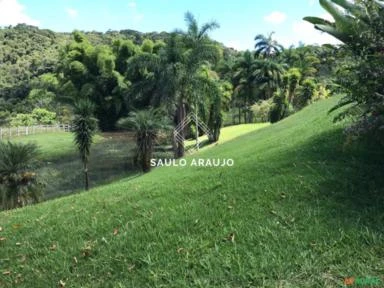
<point>199,50</point>
<point>84,126</point>
<point>244,78</point>
<point>267,46</point>
<point>195,35</point>
<point>19,184</point>
<point>175,79</point>
<point>147,124</point>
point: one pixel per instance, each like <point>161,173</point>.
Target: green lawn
<point>52,145</point>
<point>60,167</point>
<point>298,209</point>
<point>227,134</point>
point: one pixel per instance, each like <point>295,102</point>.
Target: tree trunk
<point>86,176</point>
<point>147,154</point>
<point>245,115</point>
<point>180,150</point>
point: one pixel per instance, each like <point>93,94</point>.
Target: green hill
<point>298,209</point>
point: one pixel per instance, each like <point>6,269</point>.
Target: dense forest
<point>43,72</point>
<point>288,189</point>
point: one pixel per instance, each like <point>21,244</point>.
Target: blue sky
<point>240,20</point>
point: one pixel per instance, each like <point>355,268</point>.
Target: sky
<point>240,20</point>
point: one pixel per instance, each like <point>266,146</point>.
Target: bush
<point>321,92</point>
<point>38,116</point>
<point>43,116</point>
<point>306,92</point>
<point>280,107</point>
<point>261,110</point>
<point>19,185</point>
<point>22,119</point>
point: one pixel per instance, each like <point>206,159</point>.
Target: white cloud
<point>311,2</point>
<point>12,13</point>
<point>305,32</point>
<point>134,13</point>
<point>73,13</point>
<point>276,17</point>
<point>240,44</point>
<point>138,17</point>
<point>132,4</point>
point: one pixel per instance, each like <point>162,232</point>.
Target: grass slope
<point>298,209</point>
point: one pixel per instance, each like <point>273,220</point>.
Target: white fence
<point>9,132</point>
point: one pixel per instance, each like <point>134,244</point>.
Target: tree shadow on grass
<point>350,181</point>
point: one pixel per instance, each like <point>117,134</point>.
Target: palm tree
<point>195,35</point>
<point>269,76</point>
<point>174,79</point>
<point>18,181</point>
<point>84,127</point>
<point>267,46</point>
<point>293,78</point>
<point>199,50</point>
<point>244,77</point>
<point>147,124</point>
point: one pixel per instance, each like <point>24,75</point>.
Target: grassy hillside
<point>111,158</point>
<point>297,209</point>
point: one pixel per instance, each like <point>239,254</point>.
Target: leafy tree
<point>123,50</point>
<point>217,98</point>
<point>84,127</point>
<point>90,71</point>
<point>147,46</point>
<point>43,116</point>
<point>22,119</point>
<point>359,25</point>
<point>26,52</point>
<point>19,184</point>
<point>147,124</point>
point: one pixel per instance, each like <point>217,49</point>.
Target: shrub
<point>261,110</point>
<point>280,107</point>
<point>43,116</point>
<point>22,119</point>
<point>19,184</point>
<point>306,92</point>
